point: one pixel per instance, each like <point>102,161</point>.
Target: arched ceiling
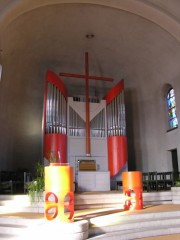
<point>162,12</point>
<point>129,34</point>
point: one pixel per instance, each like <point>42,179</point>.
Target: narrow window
<point>171,104</point>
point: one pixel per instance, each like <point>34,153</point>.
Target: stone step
<point>108,199</point>
<point>83,201</point>
<point>19,197</point>
<point>139,233</point>
<point>126,216</point>
<point>26,228</point>
<point>100,205</point>
<point>12,227</point>
<point>126,224</point>
<point>134,226</point>
<point>21,221</point>
<point>122,225</point>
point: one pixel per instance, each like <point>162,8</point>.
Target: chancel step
<point>116,199</point>
<point>137,224</point>
<point>86,200</point>
<point>32,226</point>
<point>92,224</point>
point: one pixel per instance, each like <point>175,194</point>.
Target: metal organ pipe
<point>60,113</point>
<point>97,125</point>
<point>51,110</point>
<point>64,117</point>
<point>108,119</point>
<point>55,111</point>
<point>76,124</point>
<point>120,114</point>
<point>101,127</point>
<point>50,106</point>
<point>117,116</point>
<point>111,119</point>
<point>116,124</point>
<point>48,109</point>
<point>70,121</point>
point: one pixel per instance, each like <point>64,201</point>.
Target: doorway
<point>175,165</point>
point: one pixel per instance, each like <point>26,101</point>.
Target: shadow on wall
<point>132,120</point>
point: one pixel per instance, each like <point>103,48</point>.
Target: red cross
<point>87,77</point>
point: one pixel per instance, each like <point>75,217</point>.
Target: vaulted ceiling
<point>127,34</point>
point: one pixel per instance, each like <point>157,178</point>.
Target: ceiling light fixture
<point>90,35</point>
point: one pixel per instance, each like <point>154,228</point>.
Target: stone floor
<point>85,214</point>
<point>165,237</point>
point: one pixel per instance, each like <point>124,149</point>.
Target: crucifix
<point>87,77</point>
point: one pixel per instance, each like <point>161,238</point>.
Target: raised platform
<point>98,215</point>
<point>96,223</point>
<point>151,221</point>
<point>84,200</point>
<point>115,199</point>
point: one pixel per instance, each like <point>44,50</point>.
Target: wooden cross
<point>87,77</point>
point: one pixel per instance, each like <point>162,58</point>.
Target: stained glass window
<point>171,104</point>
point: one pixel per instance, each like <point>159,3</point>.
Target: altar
<point>93,181</point>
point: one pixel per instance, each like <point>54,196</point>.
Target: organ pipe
<point>116,123</point>
<point>76,124</point>
<point>55,111</point>
<point>97,125</point>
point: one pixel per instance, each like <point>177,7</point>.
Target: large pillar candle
<point>132,183</point>
<point>59,193</point>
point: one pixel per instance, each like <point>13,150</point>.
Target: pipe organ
<point>65,124</point>
<point>55,119</point>
<point>116,131</point>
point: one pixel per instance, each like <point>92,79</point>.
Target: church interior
<point>93,84</point>
<point>137,41</point>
